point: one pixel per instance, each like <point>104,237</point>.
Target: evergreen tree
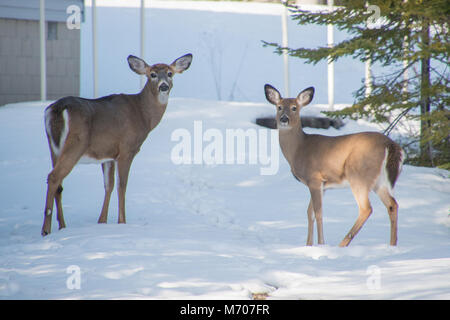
<point>411,40</point>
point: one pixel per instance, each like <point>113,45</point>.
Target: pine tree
<point>411,38</point>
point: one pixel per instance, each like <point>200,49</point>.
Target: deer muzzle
<point>164,87</point>
<point>284,120</point>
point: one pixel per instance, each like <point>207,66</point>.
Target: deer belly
<point>336,185</point>
<point>89,160</point>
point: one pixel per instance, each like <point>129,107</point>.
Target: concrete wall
<point>19,61</point>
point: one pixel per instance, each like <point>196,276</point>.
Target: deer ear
<point>272,94</point>
<point>137,64</point>
<point>182,63</point>
<point>305,96</point>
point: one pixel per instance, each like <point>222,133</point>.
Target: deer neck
<point>291,141</point>
<point>152,109</point>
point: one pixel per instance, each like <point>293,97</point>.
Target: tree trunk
<point>425,104</point>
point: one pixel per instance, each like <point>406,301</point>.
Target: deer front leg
<point>309,240</point>
<point>123,168</point>
<point>316,199</point>
<point>108,169</point>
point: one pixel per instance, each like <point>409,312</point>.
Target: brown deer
<point>108,130</point>
<point>364,161</point>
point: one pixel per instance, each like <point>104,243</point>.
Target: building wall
<point>19,50</point>
<point>55,10</point>
<point>19,61</point>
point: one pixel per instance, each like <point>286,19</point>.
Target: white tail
<point>109,130</point>
<point>365,161</point>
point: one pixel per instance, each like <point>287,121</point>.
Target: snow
<point>209,232</point>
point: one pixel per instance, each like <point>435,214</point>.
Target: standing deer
<point>108,130</point>
<point>364,161</point>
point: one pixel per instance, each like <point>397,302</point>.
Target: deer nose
<point>164,87</point>
<point>284,119</point>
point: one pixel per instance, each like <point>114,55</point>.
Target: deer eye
<point>153,75</point>
<point>170,74</point>
<point>294,108</point>
<point>279,108</point>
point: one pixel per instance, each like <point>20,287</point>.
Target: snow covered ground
<point>209,232</point>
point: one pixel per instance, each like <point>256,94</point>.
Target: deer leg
<point>59,210</point>
<point>71,153</point>
<point>392,208</point>
<point>58,196</point>
<point>316,198</point>
<point>309,240</point>
<point>123,169</point>
<point>54,181</point>
<point>108,181</point>
<point>365,209</point>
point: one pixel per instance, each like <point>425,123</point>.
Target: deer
<point>365,162</point>
<point>108,131</point>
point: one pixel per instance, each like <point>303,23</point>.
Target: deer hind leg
<point>309,240</point>
<point>392,208</point>
<point>70,154</point>
<point>58,196</point>
<point>361,194</point>
<point>108,169</point>
<point>59,210</point>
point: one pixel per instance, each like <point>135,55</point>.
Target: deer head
<point>159,76</point>
<point>288,109</point>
